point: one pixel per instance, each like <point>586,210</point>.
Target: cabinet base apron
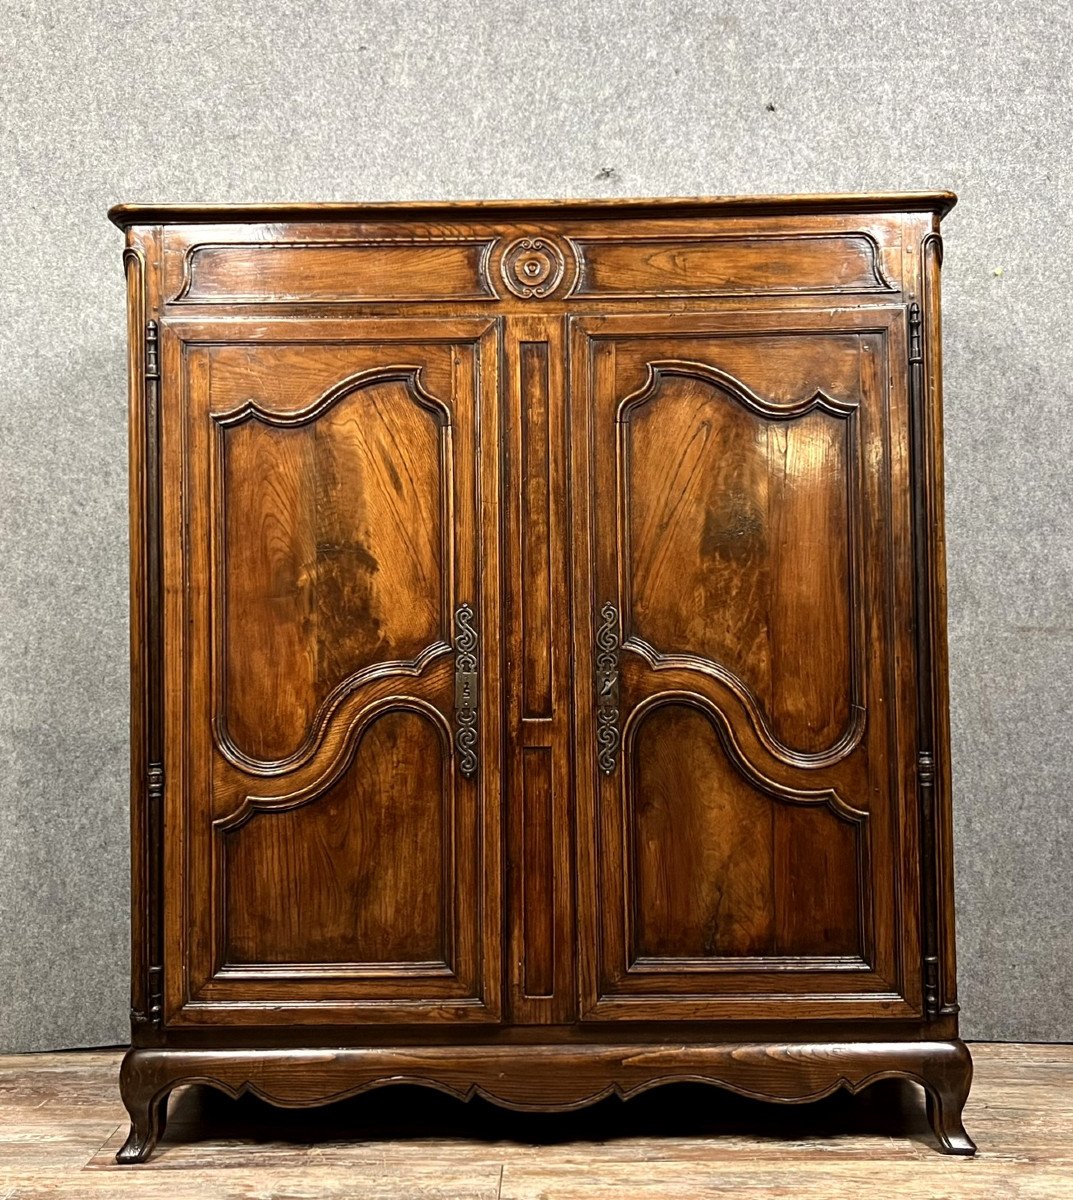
<point>549,1078</point>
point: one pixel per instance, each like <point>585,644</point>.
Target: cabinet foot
<point>946,1091</point>
<point>147,1105</point>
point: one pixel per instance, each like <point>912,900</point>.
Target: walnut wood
<point>538,650</point>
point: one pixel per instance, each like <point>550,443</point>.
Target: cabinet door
<point>332,691</point>
<point>744,695</point>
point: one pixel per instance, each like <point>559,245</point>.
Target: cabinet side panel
<point>141,265</point>
<point>135,267</point>
<point>931,263</point>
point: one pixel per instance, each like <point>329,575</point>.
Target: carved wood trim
<point>409,375</point>
<point>842,748</point>
<point>340,763</point>
<point>534,266</point>
<point>659,369</point>
<point>805,797</point>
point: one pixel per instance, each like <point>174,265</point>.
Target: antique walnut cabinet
<point>539,652</point>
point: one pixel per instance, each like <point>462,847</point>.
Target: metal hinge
<point>155,820</point>
<point>915,325</point>
<point>155,785</point>
<point>156,995</point>
<point>153,1016</point>
<point>152,350</point>
<point>926,785</point>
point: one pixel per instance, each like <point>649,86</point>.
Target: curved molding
<point>411,376</point>
<point>932,239</point>
<point>804,797</point>
<point>133,256</point>
<point>660,369</point>
<point>411,668</point>
<point>849,740</point>
<point>340,764</point>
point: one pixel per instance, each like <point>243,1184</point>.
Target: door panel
<point>738,550</point>
<point>332,551</point>
<point>710,851</point>
<point>335,595</point>
<point>743,545</point>
<point>315,883</point>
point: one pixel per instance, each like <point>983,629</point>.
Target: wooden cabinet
<point>539,662</point>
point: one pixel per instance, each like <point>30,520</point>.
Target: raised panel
<point>716,863</point>
<point>333,554</point>
<point>535,526</point>
<point>729,265</point>
<point>358,874</point>
<point>737,535</point>
<point>330,272</point>
<point>538,871</point>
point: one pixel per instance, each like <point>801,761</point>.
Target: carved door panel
<point>331,582</point>
<point>744,757</point>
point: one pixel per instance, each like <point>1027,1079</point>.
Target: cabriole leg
<point>946,1089</point>
<point>147,1104</point>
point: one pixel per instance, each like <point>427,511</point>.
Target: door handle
<point>607,647</point>
<point>466,690</point>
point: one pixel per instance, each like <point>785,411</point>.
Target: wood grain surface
<point>61,1121</point>
<point>538,639</point>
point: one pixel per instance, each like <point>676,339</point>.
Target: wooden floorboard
<point>61,1123</point>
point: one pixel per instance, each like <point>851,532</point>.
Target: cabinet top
<point>939,202</point>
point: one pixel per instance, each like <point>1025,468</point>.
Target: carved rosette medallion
<point>532,267</point>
